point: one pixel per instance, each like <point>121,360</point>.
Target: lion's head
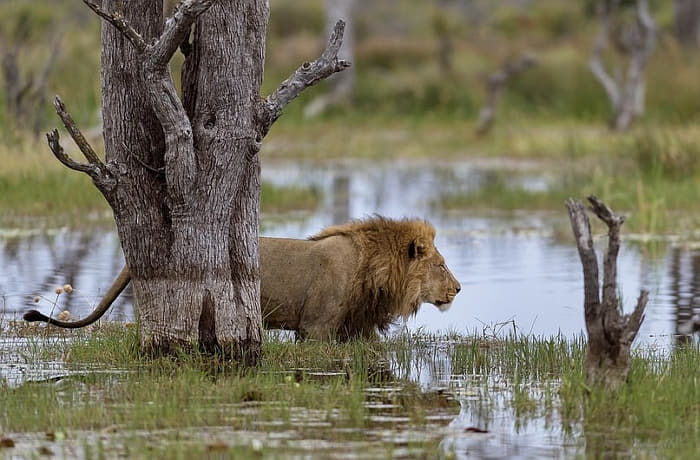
<point>438,285</point>
<point>400,269</point>
<point>431,280</point>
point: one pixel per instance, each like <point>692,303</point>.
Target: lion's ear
<point>416,249</point>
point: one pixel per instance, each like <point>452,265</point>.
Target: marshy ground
<point>91,394</point>
<point>405,146</point>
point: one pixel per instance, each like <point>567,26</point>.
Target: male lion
<point>345,282</point>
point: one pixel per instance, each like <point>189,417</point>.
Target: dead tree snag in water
<point>610,333</point>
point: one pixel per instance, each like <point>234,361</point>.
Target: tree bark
<point>183,175</point>
<point>610,333</point>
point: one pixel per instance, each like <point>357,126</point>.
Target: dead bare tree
<point>610,333</point>
<point>444,31</point>
<point>634,41</point>
<point>25,92</point>
<point>183,175</point>
<point>341,85</point>
<point>495,84</point>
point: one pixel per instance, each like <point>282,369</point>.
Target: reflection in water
<point>511,267</point>
<point>491,424</point>
<point>36,265</point>
<point>684,271</point>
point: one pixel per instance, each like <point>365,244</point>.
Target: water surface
<point>519,271</point>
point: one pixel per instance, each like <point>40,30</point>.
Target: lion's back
<point>303,281</point>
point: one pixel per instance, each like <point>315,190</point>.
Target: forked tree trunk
<point>610,333</point>
<point>183,176</point>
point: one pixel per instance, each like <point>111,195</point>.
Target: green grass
<point>653,177</point>
<point>55,196</point>
<point>319,390</point>
<point>405,106</point>
<point>652,173</point>
<point>292,386</point>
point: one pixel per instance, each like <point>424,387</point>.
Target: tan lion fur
<point>350,280</point>
<point>347,281</point>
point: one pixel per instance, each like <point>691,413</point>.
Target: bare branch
<point>584,242</point>
<point>495,85</point>
<point>75,133</point>
<point>610,334</point>
<point>118,21</point>
<point>626,95</point>
<point>595,64</point>
<point>640,58</point>
<point>307,75</point>
<point>53,140</point>
<point>177,29</point>
<point>634,320</point>
<point>614,222</point>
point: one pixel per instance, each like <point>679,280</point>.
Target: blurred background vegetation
<point>420,70</point>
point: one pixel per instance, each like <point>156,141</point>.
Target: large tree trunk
<point>189,236</point>
<point>183,176</point>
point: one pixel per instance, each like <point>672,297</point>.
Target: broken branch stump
<point>610,332</point>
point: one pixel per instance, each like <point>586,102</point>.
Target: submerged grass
<point>342,393</point>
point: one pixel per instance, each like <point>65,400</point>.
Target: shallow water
<point>468,416</point>
<point>517,271</point>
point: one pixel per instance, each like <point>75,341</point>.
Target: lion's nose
<point>458,288</point>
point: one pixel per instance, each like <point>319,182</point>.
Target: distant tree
<point>687,22</point>
<point>495,84</point>
<point>633,41</point>
<point>342,85</point>
<point>24,87</point>
<point>182,174</point>
<point>444,31</point>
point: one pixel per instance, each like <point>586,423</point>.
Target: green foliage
<point>67,197</point>
<point>657,407</point>
<point>435,94</point>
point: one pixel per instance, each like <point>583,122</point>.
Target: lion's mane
<point>385,286</point>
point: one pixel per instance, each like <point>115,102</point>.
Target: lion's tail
<point>117,287</point>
